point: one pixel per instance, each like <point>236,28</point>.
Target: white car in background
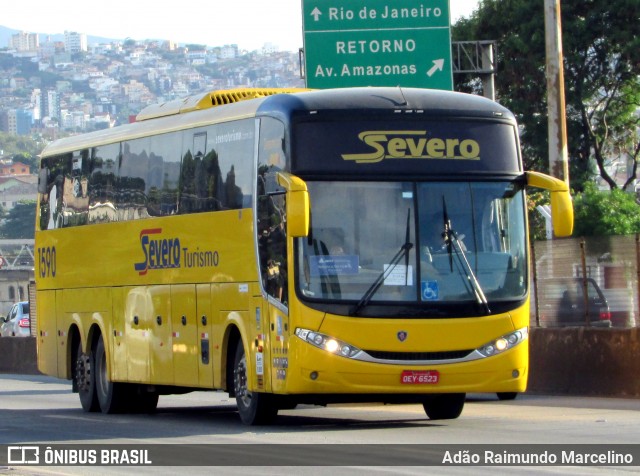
<point>17,322</point>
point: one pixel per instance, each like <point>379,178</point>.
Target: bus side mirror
<point>298,209</point>
<point>561,205</point>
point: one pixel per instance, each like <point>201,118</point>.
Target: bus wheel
<point>85,381</point>
<point>507,395</point>
<point>254,408</point>
<point>446,406</point>
<point>112,396</point>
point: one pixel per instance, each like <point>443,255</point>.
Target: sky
<point>248,23</point>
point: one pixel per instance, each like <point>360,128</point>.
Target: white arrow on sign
<point>438,65</point>
<point>316,14</point>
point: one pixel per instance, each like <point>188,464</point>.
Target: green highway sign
<point>377,43</point>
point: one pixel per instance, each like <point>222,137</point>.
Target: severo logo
<point>413,145</point>
<point>159,253</point>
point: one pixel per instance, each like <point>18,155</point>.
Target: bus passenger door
<point>184,335</point>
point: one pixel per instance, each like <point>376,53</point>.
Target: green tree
<point>601,66</point>
<point>599,213</point>
<point>20,149</point>
<point>20,221</point>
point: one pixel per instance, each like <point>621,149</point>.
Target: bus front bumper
<point>318,372</point>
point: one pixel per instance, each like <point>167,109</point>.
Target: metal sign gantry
<point>16,254</point>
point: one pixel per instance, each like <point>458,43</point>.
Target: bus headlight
<point>328,343</point>
<point>503,343</point>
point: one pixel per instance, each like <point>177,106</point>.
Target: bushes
<point>600,213</point>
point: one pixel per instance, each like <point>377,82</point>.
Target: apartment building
<point>24,41</point>
<point>75,42</point>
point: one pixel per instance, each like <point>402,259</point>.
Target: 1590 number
<point>47,262</point>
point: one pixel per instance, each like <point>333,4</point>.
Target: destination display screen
<point>405,147</point>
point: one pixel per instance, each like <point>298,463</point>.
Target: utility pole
<point>558,153</point>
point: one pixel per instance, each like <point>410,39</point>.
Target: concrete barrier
<point>18,355</point>
<point>570,361</point>
<point>585,361</point>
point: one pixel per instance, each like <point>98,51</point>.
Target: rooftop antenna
<point>403,98</point>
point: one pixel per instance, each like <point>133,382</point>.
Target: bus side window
<point>51,200</point>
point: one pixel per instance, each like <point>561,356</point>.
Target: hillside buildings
<point>71,86</point>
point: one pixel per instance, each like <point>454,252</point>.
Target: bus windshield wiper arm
<point>453,245</point>
<point>373,289</point>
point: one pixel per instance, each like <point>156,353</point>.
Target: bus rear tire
<point>254,408</point>
<point>445,406</point>
<point>112,396</point>
<point>84,380</point>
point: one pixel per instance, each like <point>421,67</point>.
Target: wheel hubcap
<point>240,380</point>
<point>83,372</point>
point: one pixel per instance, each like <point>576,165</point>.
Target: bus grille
<point>402,356</point>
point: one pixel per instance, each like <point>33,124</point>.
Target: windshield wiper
<point>453,245</point>
<point>404,251</point>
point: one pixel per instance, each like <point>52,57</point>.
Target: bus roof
<point>211,108</point>
<point>429,101</point>
<point>208,100</point>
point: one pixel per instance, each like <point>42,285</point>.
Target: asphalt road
<point>42,411</point>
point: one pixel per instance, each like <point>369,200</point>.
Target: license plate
<point>413,377</point>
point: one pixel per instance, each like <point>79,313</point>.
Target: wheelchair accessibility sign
<point>429,290</point>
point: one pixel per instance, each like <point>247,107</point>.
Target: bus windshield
<point>422,243</point>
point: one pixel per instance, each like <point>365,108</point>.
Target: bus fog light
<point>515,373</point>
<point>313,375</point>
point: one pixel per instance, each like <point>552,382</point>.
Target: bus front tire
<point>446,406</point>
<point>112,396</point>
<point>84,380</point>
<point>254,408</point>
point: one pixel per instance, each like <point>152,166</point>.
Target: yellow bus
<point>348,245</point>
